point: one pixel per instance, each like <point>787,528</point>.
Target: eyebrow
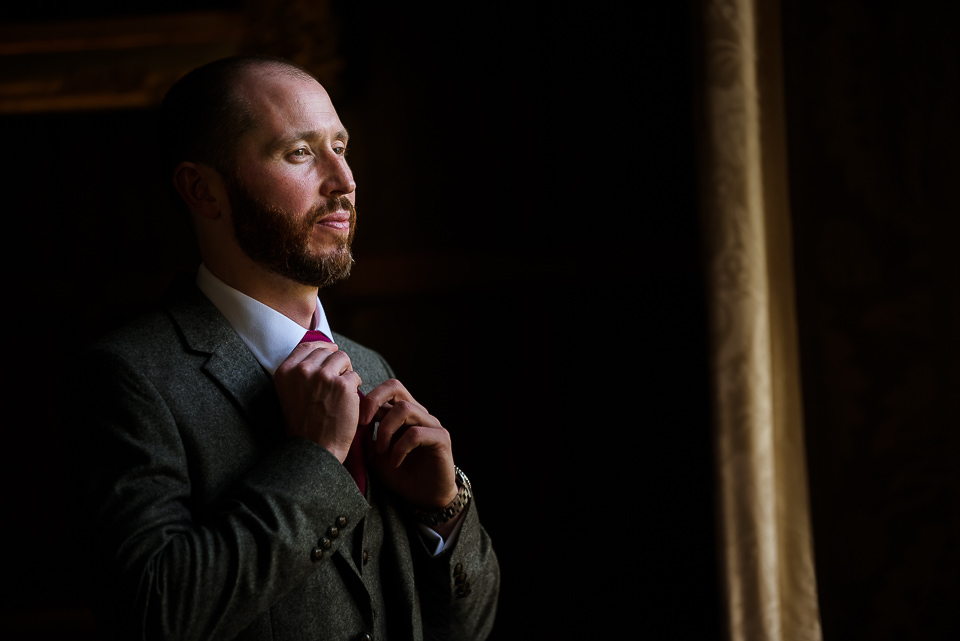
<point>288,141</point>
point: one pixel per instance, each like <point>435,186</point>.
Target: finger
<point>308,347</point>
<point>323,357</point>
<point>332,384</point>
<point>412,438</point>
<point>317,350</point>
<point>387,393</point>
<point>397,419</point>
<point>368,408</point>
<point>352,379</point>
<point>333,363</point>
<point>390,423</point>
<point>306,350</point>
<point>318,365</point>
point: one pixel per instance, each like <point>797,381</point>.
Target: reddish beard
<point>280,240</point>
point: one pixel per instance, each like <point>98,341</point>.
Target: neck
<point>294,300</point>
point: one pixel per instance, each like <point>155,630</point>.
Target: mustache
<point>332,206</point>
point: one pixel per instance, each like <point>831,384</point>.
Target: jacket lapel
<point>230,364</point>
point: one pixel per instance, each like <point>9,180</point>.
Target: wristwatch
<point>455,507</point>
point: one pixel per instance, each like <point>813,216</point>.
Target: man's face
<point>292,192</point>
<point>282,241</point>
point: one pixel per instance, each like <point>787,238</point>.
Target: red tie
<point>355,462</point>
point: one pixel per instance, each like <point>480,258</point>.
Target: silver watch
<point>455,507</point>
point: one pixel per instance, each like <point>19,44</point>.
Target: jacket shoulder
<point>373,367</point>
<point>187,326</point>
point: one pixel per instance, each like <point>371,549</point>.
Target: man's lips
<point>337,220</point>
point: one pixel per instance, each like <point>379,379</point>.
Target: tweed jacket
<point>204,519</point>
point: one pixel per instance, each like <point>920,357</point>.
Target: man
<point>248,478</point>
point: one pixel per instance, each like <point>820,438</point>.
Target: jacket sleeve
<point>459,587</point>
<point>173,564</point>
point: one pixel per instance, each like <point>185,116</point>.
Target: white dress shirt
<point>271,336</point>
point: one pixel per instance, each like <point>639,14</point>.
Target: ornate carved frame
<point>130,62</point>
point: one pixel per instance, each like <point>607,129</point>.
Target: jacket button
<point>333,532</point>
<point>365,637</point>
<point>458,569</point>
<point>325,543</point>
<point>366,557</point>
<point>341,521</point>
<point>317,554</point>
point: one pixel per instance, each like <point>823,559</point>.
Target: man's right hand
<point>317,388</point>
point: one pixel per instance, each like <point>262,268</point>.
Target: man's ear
<point>201,188</point>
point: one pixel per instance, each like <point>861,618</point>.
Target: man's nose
<point>337,177</point>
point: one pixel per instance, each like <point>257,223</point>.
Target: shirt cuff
<point>434,542</point>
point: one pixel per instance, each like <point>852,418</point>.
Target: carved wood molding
<point>131,62</point>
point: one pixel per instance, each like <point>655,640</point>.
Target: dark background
<point>527,259</point>
<point>873,101</point>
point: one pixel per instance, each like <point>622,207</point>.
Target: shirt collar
<point>270,335</point>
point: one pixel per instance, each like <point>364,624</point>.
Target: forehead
<point>284,104</point>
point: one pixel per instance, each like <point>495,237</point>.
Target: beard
<point>279,240</point>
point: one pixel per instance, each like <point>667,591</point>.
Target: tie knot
<point>313,336</point>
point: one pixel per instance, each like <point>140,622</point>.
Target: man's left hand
<point>412,453</point>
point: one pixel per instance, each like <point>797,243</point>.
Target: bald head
<point>204,114</point>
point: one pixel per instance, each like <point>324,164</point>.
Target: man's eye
<point>298,153</point>
<point>340,151</point>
